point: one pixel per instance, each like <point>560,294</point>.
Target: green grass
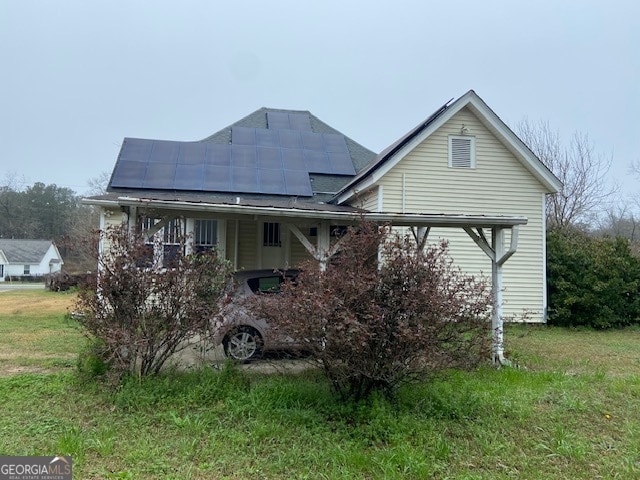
<point>571,411</point>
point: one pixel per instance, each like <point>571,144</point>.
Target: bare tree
<point>98,185</point>
<point>581,170</point>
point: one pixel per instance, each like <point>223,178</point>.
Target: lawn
<point>571,410</point>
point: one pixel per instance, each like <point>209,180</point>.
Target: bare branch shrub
<point>375,326</point>
<point>142,314</point>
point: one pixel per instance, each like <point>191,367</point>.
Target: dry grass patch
<point>35,333</point>
<point>21,302</point>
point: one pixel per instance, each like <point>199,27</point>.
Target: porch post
<point>324,242</point>
<point>496,252</point>
<point>497,324</point>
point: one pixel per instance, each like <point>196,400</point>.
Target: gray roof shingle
<point>24,251</point>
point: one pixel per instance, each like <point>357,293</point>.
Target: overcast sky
<point>79,76</point>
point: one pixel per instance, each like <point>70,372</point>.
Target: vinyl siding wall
<point>498,185</point>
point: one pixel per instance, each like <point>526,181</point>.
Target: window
<point>462,151</point>
<point>172,235</point>
<point>271,235</point>
<point>205,235</point>
<point>1,271</point>
<point>27,269</point>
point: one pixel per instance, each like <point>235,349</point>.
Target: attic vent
<point>462,151</point>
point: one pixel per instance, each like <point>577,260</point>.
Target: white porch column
<point>190,227</point>
<point>324,243</point>
<point>496,252</point>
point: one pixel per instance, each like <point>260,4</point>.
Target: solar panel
<point>290,139</point>
<point>243,136</point>
<point>317,162</point>
<point>312,141</point>
<point>278,121</point>
<point>217,154</point>
<point>288,121</point>
<point>269,157</point>
<point>192,153</point>
<point>341,164</point>
<point>267,138</point>
<point>297,183</point>
<point>129,174</point>
<point>160,176</point>
<point>164,152</point>
<point>189,177</point>
<point>335,143</point>
<point>299,121</point>
<point>276,160</point>
<point>244,179</point>
<point>293,160</point>
<point>271,180</point>
<point>217,178</point>
<point>244,156</point>
<point>135,149</point>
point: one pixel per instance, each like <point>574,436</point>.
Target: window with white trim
<point>27,270</point>
<point>462,151</point>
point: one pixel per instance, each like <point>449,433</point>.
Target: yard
<point>571,410</point>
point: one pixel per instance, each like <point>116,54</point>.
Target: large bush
<point>141,314</point>
<point>374,325</point>
<point>591,281</point>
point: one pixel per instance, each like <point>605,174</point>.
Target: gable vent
<point>462,152</point>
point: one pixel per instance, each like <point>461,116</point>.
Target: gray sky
<point>79,76</point>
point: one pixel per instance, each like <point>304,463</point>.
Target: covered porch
<point>314,230</point>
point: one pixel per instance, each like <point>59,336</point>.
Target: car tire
<point>243,344</point>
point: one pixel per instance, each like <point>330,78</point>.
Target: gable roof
<point>390,156</point>
<point>24,251</point>
<point>268,152</point>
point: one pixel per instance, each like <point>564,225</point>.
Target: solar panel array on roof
<point>288,121</point>
<point>277,160</point>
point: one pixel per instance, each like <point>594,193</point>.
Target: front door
<point>273,248</point>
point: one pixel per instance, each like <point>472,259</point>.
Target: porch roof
<point>290,209</point>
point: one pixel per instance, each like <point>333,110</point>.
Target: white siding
<point>498,185</point>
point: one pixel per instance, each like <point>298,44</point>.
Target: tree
<point>591,281</point>
<point>142,314</point>
<point>580,169</point>
<point>375,326</point>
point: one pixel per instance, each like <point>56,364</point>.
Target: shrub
<point>142,314</point>
<point>375,326</point>
<point>592,282</point>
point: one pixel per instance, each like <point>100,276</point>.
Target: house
<point>273,188</point>
<point>28,258</point>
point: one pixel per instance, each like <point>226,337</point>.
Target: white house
<point>28,258</point>
<point>270,189</point>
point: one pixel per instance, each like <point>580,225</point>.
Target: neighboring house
<point>28,258</point>
<point>273,188</point>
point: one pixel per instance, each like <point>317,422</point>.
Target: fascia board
<point>435,220</point>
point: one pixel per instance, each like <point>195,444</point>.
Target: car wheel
<point>243,344</point>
